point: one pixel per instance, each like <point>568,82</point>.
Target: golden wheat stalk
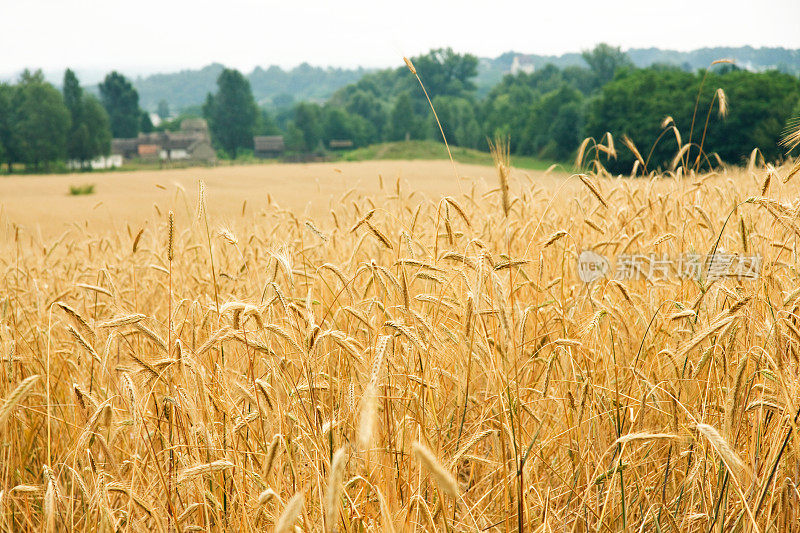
<point>593,189</point>
<point>334,491</point>
<point>444,479</point>
<point>203,469</point>
<point>16,397</point>
<point>290,514</point>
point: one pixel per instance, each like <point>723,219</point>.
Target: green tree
<point>338,124</point>
<point>43,121</point>
<point>121,102</point>
<point>554,125</point>
<point>635,103</point>
<point>446,73</point>
<point>95,119</point>
<point>308,120</point>
<point>73,95</point>
<point>759,107</point>
<point>232,112</point>
<point>368,106</point>
<point>145,124</point>
<point>163,110</point>
<point>8,126</point>
<point>403,123</point>
<point>604,61</point>
<point>294,138</point>
<point>267,124</point>
<point>457,116</point>
<point>90,132</point>
<point>507,109</point>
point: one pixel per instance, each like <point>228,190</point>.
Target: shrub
<point>80,190</point>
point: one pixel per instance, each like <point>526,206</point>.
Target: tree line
<point>545,114</point>
<point>40,125</point>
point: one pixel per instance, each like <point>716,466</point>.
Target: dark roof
<point>124,146</point>
<point>340,143</point>
<point>179,141</point>
<point>155,137</point>
<point>268,143</point>
<point>194,124</point>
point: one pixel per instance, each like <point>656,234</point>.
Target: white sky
<point>165,35</point>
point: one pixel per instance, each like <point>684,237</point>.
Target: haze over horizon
<point>165,37</point>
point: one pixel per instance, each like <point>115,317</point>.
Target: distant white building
<point>522,64</point>
<point>100,163</point>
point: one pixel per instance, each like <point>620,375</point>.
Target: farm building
<point>340,144</point>
<point>126,148</point>
<point>191,143</point>
<point>268,146</point>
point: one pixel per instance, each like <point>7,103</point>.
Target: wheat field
<point>402,362</point>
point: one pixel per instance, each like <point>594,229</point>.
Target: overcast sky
<point>165,35</point>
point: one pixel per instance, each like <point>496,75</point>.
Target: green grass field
<point>410,150</point>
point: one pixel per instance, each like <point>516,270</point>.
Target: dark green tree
<point>9,141</point>
<point>267,124</point>
<point>163,110</point>
<point>145,124</point>
<point>73,95</point>
<point>232,112</point>
<point>43,121</point>
<point>95,119</point>
<point>338,124</point>
<point>294,138</point>
<point>446,73</point>
<point>371,108</point>
<point>759,107</point>
<point>90,132</point>
<point>403,123</point>
<point>554,124</point>
<point>121,102</point>
<point>508,107</point>
<point>457,116</point>
<point>635,103</point>
<point>308,120</point>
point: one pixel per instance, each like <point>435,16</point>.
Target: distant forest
<point>275,87</point>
